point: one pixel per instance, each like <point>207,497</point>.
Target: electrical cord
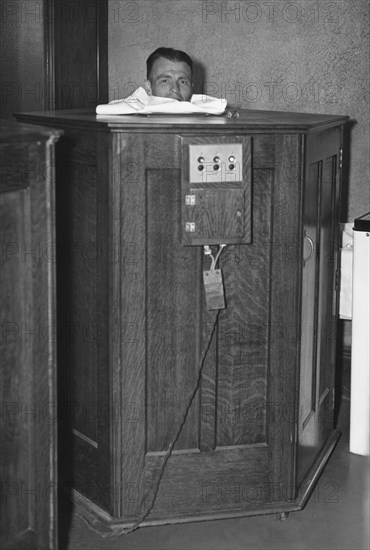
<point>214,259</point>
<point>128,530</point>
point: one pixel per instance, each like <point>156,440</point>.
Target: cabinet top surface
<point>247,120</point>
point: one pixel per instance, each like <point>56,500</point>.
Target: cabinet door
<point>319,310</point>
<point>27,375</point>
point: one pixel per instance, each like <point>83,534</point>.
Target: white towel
<point>141,103</point>
<point>345,296</point>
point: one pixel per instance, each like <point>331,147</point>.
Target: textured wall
<point>305,55</point>
<point>22,57</point>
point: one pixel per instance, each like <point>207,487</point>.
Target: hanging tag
<point>214,288</point>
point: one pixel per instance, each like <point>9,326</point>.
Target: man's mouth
<point>176,96</point>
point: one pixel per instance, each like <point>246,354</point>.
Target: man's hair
<point>171,55</point>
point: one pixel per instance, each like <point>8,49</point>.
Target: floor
<point>335,517</point>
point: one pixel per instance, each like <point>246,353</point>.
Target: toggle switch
<point>190,227</point>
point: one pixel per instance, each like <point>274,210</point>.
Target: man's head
<point>169,74</point>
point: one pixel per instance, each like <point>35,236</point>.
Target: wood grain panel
<point>319,300</point>
<point>42,227</point>
<point>78,322</point>
<point>27,348</point>
<point>79,257</point>
<point>209,482</point>
<point>244,328</point>
<point>218,215</point>
<point>16,358</point>
<point>208,389</point>
<point>307,400</point>
<point>285,310</point>
<point>83,316</point>
<point>16,168</point>
<point>108,335</point>
<point>129,299</point>
<point>173,316</point>
<point>327,323</point>
<point>162,153</point>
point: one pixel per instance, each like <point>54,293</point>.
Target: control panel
<point>216,163</point>
<point>216,190</point>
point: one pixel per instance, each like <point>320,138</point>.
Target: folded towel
<point>141,103</point>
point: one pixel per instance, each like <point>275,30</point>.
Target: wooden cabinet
<point>28,420</point>
<point>133,322</point>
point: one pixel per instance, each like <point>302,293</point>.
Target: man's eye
<point>184,82</point>
<point>164,80</point>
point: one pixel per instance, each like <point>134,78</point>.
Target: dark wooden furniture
<point>28,421</point>
<point>75,79</point>
<point>133,320</point>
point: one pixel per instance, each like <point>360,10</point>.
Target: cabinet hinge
<point>340,158</point>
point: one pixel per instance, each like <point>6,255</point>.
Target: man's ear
<point>148,87</point>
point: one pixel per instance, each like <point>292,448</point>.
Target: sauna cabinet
<point>133,321</point>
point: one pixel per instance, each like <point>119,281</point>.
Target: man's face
<point>170,79</point>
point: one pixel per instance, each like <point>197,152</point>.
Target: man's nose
<point>176,86</point>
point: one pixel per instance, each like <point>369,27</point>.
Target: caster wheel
<point>282,516</point>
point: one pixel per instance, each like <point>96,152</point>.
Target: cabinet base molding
<point>104,524</point>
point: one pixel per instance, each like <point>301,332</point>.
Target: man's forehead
<point>163,65</point>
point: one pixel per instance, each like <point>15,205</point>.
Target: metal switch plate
<point>190,227</point>
<point>190,200</point>
<point>218,162</point>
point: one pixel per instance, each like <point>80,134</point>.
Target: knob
<point>231,166</point>
<point>216,159</point>
<point>231,158</point>
<point>200,167</point>
<point>201,159</point>
<point>216,167</point>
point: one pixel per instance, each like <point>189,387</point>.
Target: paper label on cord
<point>214,289</point>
